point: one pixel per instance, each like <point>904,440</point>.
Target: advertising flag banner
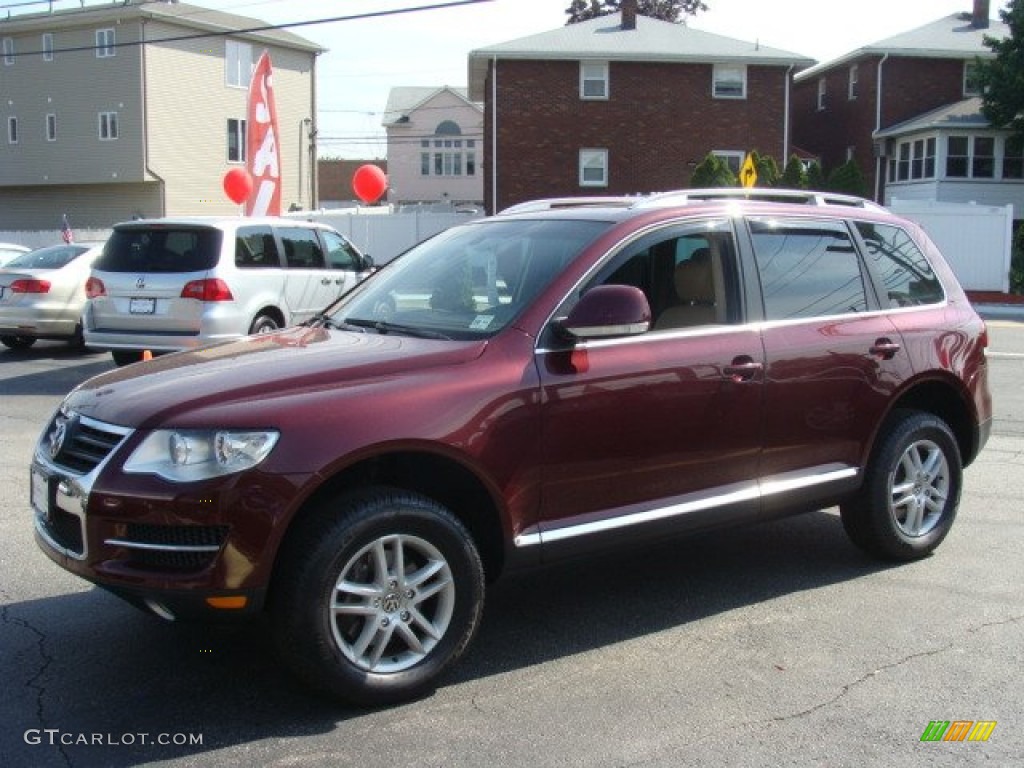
<point>262,151</point>
<point>65,231</point>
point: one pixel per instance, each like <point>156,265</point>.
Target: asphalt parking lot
<point>773,645</point>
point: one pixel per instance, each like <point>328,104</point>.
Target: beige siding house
<point>111,112</point>
<point>435,146</point>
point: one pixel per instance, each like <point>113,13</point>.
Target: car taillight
<point>94,287</point>
<point>207,290</point>
<point>30,285</point>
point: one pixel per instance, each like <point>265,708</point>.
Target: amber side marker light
<point>232,602</point>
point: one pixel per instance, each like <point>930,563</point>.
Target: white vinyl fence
<point>977,240</point>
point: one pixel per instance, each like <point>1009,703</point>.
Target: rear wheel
<point>17,342</point>
<point>376,596</point>
<point>126,356</point>
<point>263,324</point>
<point>911,491</point>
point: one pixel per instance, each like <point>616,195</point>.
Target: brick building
<point>624,104</point>
<point>880,105</point>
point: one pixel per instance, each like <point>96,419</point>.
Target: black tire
<point>126,356</point>
<point>17,342</point>
<point>263,324</point>
<point>77,342</point>
<point>379,651</point>
<point>911,489</point>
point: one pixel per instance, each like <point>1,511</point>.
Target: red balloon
<point>238,185</point>
<point>369,183</point>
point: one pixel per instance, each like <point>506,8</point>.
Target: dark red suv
<point>574,376</point>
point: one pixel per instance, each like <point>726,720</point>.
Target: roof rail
<point>762,194</point>
<point>552,203</point>
<point>684,196</point>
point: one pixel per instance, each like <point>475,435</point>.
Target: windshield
<point>51,257</point>
<point>469,281</point>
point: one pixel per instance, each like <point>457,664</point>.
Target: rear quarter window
<point>170,249</point>
<point>906,276</point>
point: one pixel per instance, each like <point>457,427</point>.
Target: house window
<point>51,127</point>
<point>236,140</point>
<point>821,93</point>
<point>903,162</point>
<point>732,158</point>
<point>8,51</point>
<point>983,162</point>
<point>916,160</point>
<point>594,80</point>
<point>971,85</point>
<point>12,130</point>
<point>108,126</point>
<point>238,63</point>
<point>47,46</point>
<point>105,40</point>
<point>1013,159</point>
<point>852,86</point>
<point>452,155</point>
<point>729,81</point>
<point>957,156</point>
<point>593,167</point>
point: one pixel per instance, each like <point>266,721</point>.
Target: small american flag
<point>65,231</point>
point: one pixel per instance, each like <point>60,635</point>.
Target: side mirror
<point>607,311</point>
<point>368,264</point>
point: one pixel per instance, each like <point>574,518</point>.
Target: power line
<point>259,28</point>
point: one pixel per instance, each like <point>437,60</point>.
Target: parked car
<point>9,251</point>
<point>42,293</point>
<point>516,390</point>
<point>171,284</point>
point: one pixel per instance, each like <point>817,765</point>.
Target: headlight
<point>187,455</point>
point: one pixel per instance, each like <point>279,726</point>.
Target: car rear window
<point>52,257</point>
<point>160,249</point>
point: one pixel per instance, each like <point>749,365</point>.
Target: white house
<point>435,150</point>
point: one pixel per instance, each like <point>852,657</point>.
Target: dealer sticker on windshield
<point>481,322</point>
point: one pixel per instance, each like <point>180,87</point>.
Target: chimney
<point>629,13</point>
<point>979,19</point>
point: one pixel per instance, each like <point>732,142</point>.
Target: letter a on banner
<point>262,152</point>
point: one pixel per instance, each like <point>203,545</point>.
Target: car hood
<point>291,362</point>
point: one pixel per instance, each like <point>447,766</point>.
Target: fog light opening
<point>159,609</point>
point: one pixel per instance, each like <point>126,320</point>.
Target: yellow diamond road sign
<point>748,173</point>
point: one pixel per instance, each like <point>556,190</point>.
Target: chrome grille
<point>81,443</point>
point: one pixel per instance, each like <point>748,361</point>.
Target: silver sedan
<point>42,294</point>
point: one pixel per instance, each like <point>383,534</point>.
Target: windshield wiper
<point>323,320</point>
<point>384,327</point>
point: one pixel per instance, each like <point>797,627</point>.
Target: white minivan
<point>164,285</point>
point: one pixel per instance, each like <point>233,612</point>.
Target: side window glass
<point>302,249</point>
<point>340,254</point>
<point>255,248</point>
<point>807,269</point>
<point>906,277</point>
<point>687,274</point>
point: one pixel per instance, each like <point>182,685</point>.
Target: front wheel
<point>911,491</point>
<point>17,342</point>
<point>376,595</point>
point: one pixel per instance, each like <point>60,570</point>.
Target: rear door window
<point>160,249</point>
<point>302,249</point>
<point>807,269</point>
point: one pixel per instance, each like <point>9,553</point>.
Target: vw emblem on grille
<point>58,435</point>
<point>141,282</point>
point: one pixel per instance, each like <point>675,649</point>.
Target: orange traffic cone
<point>147,355</point>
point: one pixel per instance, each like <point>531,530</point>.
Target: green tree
<point>1002,79</point>
<point>767,170</point>
<point>815,177</point>
<point>794,176</point>
<point>713,172</point>
<point>848,179</point>
<point>666,10</point>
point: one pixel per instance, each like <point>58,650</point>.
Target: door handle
<point>325,281</point>
<point>742,368</point>
<point>884,349</point>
